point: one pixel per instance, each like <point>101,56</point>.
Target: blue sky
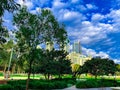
<point>95,23</point>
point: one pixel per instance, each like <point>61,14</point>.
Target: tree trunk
<point>48,76</point>
<point>95,76</point>
<point>33,75</point>
<point>5,68</point>
<point>29,72</point>
<point>13,68</point>
<point>59,76</point>
<point>45,76</point>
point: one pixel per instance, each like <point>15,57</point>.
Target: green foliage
<point>17,84</point>
<point>67,80</point>
<point>97,83</point>
<point>54,62</point>
<point>3,34</point>
<point>9,5</point>
<point>86,84</point>
<point>1,73</point>
<point>75,70</point>
<point>34,30</point>
<point>48,85</point>
<point>42,84</point>
<point>98,66</point>
<point>6,87</point>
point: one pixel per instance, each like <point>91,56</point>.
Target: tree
<point>63,65</point>
<point>34,30</point>
<point>54,62</point>
<point>98,66</point>
<point>75,70</point>
<point>9,5</point>
<point>118,69</point>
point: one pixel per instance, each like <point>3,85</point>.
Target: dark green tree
<point>63,65</point>
<point>34,30</point>
<point>54,62</point>
<point>98,66</point>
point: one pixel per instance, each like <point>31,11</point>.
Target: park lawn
<point>23,76</point>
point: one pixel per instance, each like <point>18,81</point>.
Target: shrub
<point>59,84</point>
<point>47,85</point>
<point>17,84</point>
<point>6,87</point>
<point>67,80</point>
<point>42,84</point>
<point>109,83</point>
<point>97,83</point>
<point>87,84</point>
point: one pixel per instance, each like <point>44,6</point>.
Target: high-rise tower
<point>77,47</point>
<point>67,47</point>
<point>49,46</point>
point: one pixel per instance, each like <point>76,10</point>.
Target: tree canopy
<point>10,6</point>
<point>35,29</point>
<point>54,62</point>
<point>99,66</point>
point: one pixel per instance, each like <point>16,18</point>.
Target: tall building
<point>49,46</point>
<point>67,48</point>
<point>77,47</point>
<point>76,55</point>
<point>77,58</point>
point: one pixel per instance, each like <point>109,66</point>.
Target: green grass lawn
<point>23,76</point>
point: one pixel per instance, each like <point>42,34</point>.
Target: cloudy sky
<point>95,23</point>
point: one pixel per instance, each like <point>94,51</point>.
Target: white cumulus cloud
<point>93,53</point>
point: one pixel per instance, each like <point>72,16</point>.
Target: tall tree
<point>34,30</point>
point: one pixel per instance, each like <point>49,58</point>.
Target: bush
<point>109,83</point>
<point>14,82</point>
<point>97,83</point>
<point>6,87</point>
<point>47,84</point>
<point>87,84</point>
<point>59,84</point>
<point>67,80</point>
<point>42,84</point>
<point>17,84</point>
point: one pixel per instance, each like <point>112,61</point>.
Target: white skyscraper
<point>77,47</point>
<point>49,46</point>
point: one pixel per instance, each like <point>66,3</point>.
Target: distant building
<point>75,55</point>
<point>77,47</point>
<point>67,48</point>
<point>49,46</point>
<point>77,58</point>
